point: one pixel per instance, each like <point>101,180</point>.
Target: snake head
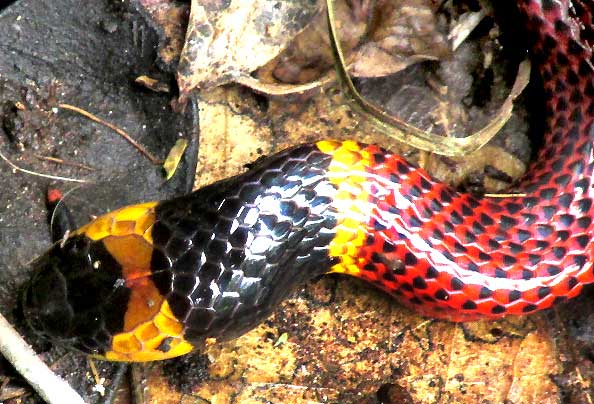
<point>71,302</point>
<point>45,299</point>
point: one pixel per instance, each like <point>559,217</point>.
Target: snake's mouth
<point>43,301</point>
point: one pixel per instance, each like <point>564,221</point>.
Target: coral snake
<point>156,280</point>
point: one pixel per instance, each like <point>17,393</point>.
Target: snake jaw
<point>70,302</point>
<point>43,301</point>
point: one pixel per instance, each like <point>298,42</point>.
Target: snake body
<point>156,280</point>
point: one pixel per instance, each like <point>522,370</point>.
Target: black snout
<point>44,301</point>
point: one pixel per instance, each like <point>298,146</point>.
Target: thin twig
<point>99,387</point>
<point>53,177</point>
<point>584,384</point>
<point>121,132</point>
<point>279,89</point>
<point>9,393</point>
<point>63,162</point>
<point>53,389</point>
<point>116,381</point>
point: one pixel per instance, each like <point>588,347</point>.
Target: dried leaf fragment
<point>152,84</point>
<point>230,39</point>
<point>174,157</point>
<point>282,339</point>
<point>171,20</point>
<point>378,39</point>
<point>406,32</point>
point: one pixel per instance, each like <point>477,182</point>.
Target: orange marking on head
<point>123,228</point>
<point>133,219</point>
<point>159,338</point>
<point>151,331</point>
<point>133,253</point>
<point>147,331</point>
<point>144,304</point>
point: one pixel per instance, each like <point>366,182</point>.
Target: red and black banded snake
<point>155,280</point>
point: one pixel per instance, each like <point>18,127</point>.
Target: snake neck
<point>245,243</point>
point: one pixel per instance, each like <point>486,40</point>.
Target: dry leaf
<point>226,42</point>
<point>170,18</point>
<point>233,133</point>
<point>406,32</point>
<point>152,84</point>
<point>309,55</point>
<point>174,157</point>
<point>381,40</point>
<point>228,39</point>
